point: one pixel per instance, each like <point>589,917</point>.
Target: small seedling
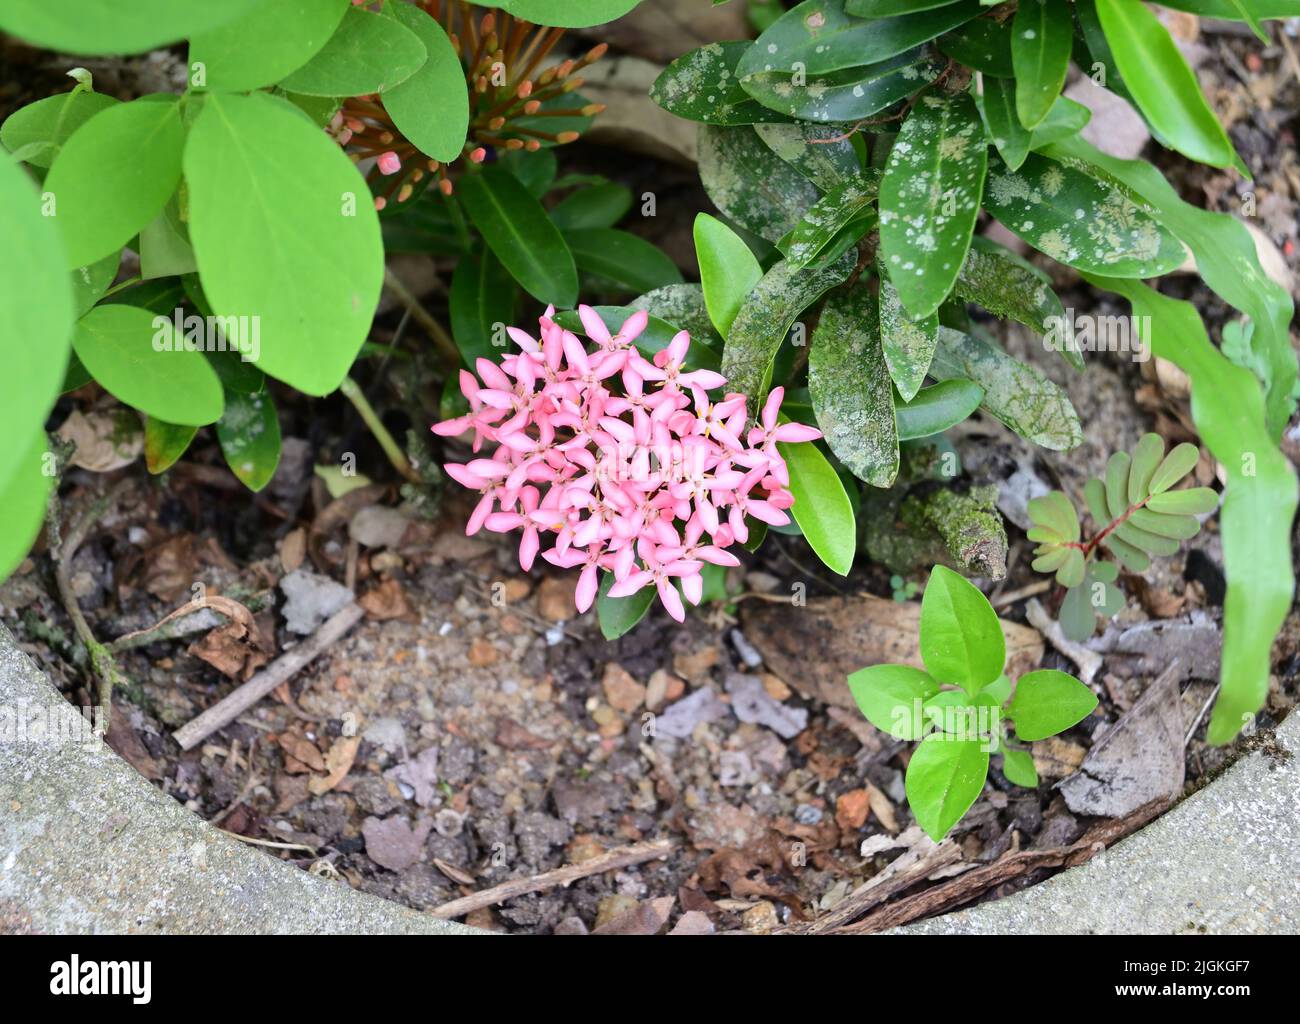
<point>960,706</point>
<point>1137,515</point>
<point>904,590</point>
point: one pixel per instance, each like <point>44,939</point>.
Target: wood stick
<point>284,667</point>
<point>620,857</point>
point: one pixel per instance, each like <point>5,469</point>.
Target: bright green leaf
<point>1018,767</point>
<point>369,53</point>
<point>944,777</point>
<point>936,408</point>
<point>890,696</point>
<point>104,27</point>
<point>821,506</point>
<point>1048,702</point>
<point>728,270</point>
<point>265,44</point>
<point>47,124</point>
<point>961,637</point>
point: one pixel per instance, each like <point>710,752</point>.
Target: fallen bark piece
<point>1138,760</point>
<point>814,648</point>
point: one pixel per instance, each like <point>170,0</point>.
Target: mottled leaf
<point>930,198</point>
<point>164,443</point>
<point>702,86</point>
<point>908,341</point>
<point>850,387</point>
<point>818,228</point>
<point>1081,221</point>
<point>1015,393</point>
<point>249,432</point>
<point>822,155</point>
<point>751,184</point>
<point>762,323</point>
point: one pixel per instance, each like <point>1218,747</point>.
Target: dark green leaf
<point>520,234</point>
<point>702,86</point>
<point>597,206</point>
<point>983,44</point>
<point>998,108</point>
<point>481,305</point>
<point>935,409</point>
<point>1042,36</point>
<point>930,198</point>
<point>623,258</point>
<point>617,615</point>
<point>751,184</point>
<point>249,432</point>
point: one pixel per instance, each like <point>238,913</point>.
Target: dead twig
<point>283,668</point>
<point>964,888</point>
<point>1089,662</point>
<point>423,317</point>
<point>621,857</point>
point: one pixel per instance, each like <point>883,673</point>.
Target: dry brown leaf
<point>388,601</point>
<point>338,762</point>
<point>302,750</point>
<point>293,549</point>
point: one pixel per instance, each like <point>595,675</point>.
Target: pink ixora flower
<point>622,463</point>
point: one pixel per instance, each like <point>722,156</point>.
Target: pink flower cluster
<point>649,480</point>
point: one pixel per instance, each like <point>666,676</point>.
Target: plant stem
<point>431,326</point>
<point>391,448</point>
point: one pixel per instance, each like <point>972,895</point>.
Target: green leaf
<point>930,198</point>
<point>1084,222</point>
<point>818,228</point>
<point>819,37</point>
<point>1048,702</point>
<point>164,443</point>
<point>47,124</point>
<point>1151,543</point>
<point>617,615</point>
<point>521,236</point>
<point>114,174</point>
<point>1192,501</point>
<point>682,307</point>
<point>265,44</point>
<point>481,305</point>
<point>431,108</point>
<point>765,318</point>
<point>998,108</point>
<point>728,270</point>
<point>140,360</point>
<point>944,777</point>
<point>908,342</point>
<point>25,485</point>
<point>821,506</point>
<point>1066,118</point>
<point>1167,524</point>
<point>165,249</point>
<point>1055,511</point>
<point>848,95</point>
<point>89,283</point>
<point>249,432</point>
<point>535,171</point>
<point>568,13</point>
<point>369,53</point>
<point>702,86</point>
<point>283,229</point>
<point>961,637</point>
<point>598,206</point>
<point>1176,465</point>
<point>997,691</point>
<point>850,387</point>
<point>1013,288</point>
<point>889,696</point>
<point>36,319</point>
<point>1146,457</point>
<point>936,408</point>
<point>1042,36</point>
<point>1014,392</point>
<point>1018,767</point>
<point>982,44</point>
<point>820,153</point>
<point>1227,261</point>
<point>111,27</point>
<point>1117,484</point>
<point>1163,86</point>
<point>623,258</point>
<point>750,184</point>
<point>1133,559</point>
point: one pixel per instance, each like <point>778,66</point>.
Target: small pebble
<point>807,814</point>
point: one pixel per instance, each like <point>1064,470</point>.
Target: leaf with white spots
<point>1014,393</point>
<point>850,94</point>
<point>702,86</point>
<point>930,198</point>
<point>846,205</point>
<point>822,155</point>
<point>249,432</point>
<point>1011,287</point>
<point>1083,221</point>
<point>850,387</point>
<point>751,184</point>
<point>763,321</point>
<point>908,342</point>
<point>1042,36</point>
